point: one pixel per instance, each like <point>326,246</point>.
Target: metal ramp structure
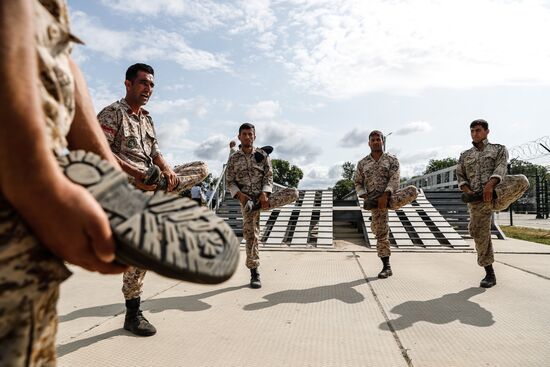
<point>416,225</point>
<point>304,223</point>
<point>313,220</point>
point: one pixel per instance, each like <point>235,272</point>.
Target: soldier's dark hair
<point>479,122</point>
<point>246,125</point>
<point>132,72</point>
<point>377,133</point>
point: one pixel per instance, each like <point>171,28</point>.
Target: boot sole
<point>165,233</point>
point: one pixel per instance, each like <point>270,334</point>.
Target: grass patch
<point>527,234</point>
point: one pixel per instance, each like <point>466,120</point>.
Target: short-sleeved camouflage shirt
<point>245,174</point>
<point>375,177</point>
<point>131,136</point>
<point>476,167</point>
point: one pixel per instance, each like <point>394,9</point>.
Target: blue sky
<point>315,76</point>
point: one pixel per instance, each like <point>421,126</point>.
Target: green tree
<point>348,171</point>
<point>342,188</point>
<point>346,184</point>
<point>437,164</point>
<point>286,174</point>
<point>517,166</point>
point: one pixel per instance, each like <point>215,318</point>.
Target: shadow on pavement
<point>342,291</point>
<point>443,310</point>
<point>184,303</point>
<point>77,344</point>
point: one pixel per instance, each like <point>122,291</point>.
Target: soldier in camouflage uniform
<point>377,182</point>
<point>46,109</point>
<point>131,134</point>
<point>249,178</point>
<point>481,173</point>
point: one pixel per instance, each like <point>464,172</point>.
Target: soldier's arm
<point>359,181</point>
<point>230,178</point>
<point>463,182</point>
<point>65,217</point>
<point>168,172</point>
<point>393,182</point>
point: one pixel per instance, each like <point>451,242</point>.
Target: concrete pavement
<point>324,308</point>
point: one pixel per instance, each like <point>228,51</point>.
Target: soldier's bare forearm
<point>23,146</point>
<point>130,169</point>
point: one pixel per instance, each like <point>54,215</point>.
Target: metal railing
<point>219,191</point>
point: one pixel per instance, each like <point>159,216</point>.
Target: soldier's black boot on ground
<point>490,278</point>
<point>165,233</point>
<point>255,279</point>
<point>135,322</point>
<point>370,204</point>
<point>386,270</point>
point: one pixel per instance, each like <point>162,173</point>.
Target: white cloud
<point>354,138</point>
<point>413,127</point>
<point>172,135</point>
<point>342,48</point>
<point>102,94</point>
<point>149,44</point>
<point>264,110</point>
<point>295,143</point>
<point>213,148</point>
<point>197,106</point>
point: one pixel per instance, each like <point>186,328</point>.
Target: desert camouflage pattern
<point>131,136</point>
<point>33,323</point>
<point>251,223</point>
<point>480,230</point>
<point>508,191</point>
<point>476,167</point>
<point>245,174</point>
<point>190,174</point>
<point>373,178</point>
<point>30,274</point>
<point>402,197</point>
<point>132,283</point>
<point>380,228</point>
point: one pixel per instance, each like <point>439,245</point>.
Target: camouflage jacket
<point>245,174</point>
<point>476,167</point>
<point>131,136</point>
<point>375,177</point>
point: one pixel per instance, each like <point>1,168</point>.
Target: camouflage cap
<point>376,132</point>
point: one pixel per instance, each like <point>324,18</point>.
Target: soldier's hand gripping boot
<point>165,233</point>
<point>154,176</point>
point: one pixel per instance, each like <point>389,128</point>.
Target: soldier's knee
<point>203,169</point>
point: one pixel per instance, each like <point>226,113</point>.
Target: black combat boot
<point>490,279</point>
<point>370,204</point>
<point>386,270</point>
<point>135,322</point>
<point>255,279</point>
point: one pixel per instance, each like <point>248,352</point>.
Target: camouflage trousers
<point>379,221</point>
<point>508,190</point>
<point>189,174</point>
<point>27,334</point>
<point>251,224</point>
<point>29,287</point>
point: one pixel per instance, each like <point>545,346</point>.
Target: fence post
<point>511,205</point>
